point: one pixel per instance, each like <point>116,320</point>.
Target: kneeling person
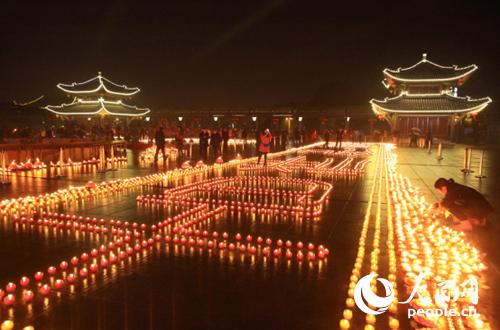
<point>469,208</point>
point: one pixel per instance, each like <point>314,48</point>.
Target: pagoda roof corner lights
<point>389,105</point>
<point>96,84</point>
<point>101,107</point>
<point>445,73</point>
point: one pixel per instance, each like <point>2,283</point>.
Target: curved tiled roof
<point>89,108</point>
<point>426,71</point>
<point>430,103</point>
<point>96,85</point>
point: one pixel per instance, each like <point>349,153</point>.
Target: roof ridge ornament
<point>424,57</point>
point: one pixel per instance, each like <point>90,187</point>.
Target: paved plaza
<point>239,245</point>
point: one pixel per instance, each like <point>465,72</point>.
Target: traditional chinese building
<point>426,97</point>
<point>98,96</point>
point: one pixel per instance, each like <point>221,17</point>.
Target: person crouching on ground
<point>468,207</point>
<point>265,145</point>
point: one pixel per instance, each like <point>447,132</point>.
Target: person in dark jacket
<point>179,143</point>
<point>215,142</point>
<point>204,137</point>
<point>326,137</point>
<point>467,205</point>
<point>160,144</point>
<point>225,139</point>
<point>340,136</point>
<point>428,139</point>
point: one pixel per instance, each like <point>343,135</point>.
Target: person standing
<point>204,136</point>
<point>413,138</point>
<point>201,143</point>
<point>244,134</point>
<point>326,136</point>
<point>43,135</point>
<point>428,138</point>
<point>160,144</point>
<point>340,136</point>
<point>284,138</point>
<point>207,143</point>
<point>225,139</point>
<point>179,142</point>
<point>395,137</point>
<point>313,136</point>
<point>215,142</point>
<point>296,137</point>
<point>264,145</point>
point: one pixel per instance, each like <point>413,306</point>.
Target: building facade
<point>98,97</point>
<point>426,98</point>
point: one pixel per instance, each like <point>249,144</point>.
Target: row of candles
<point>191,228</point>
<point>124,239</point>
<point>69,279</point>
<point>74,194</point>
<point>128,242</point>
<point>439,252</point>
<point>324,170</point>
<point>253,208</point>
<point>423,246</point>
<point>37,164</point>
<point>348,149</point>
<point>309,188</point>
<point>271,166</point>
<point>371,223</point>
<point>316,169</point>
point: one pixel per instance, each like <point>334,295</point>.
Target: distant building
<point>426,98</point>
<point>98,96</point>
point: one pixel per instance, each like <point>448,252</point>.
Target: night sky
<point>242,53</point>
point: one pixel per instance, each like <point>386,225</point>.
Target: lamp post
<point>254,121</point>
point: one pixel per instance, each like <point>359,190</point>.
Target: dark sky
<point>242,53</point>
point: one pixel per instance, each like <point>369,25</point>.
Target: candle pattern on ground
<point>118,243</point>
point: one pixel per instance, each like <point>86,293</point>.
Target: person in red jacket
<point>265,145</point>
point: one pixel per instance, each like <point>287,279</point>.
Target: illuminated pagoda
<point>426,98</point>
<point>98,96</point>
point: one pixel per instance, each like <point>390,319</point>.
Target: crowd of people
<point>215,140</point>
<point>213,143</point>
<point>68,130</point>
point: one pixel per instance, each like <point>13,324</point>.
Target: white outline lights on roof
<point>102,86</point>
<point>377,108</point>
<point>470,69</point>
<point>102,108</point>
